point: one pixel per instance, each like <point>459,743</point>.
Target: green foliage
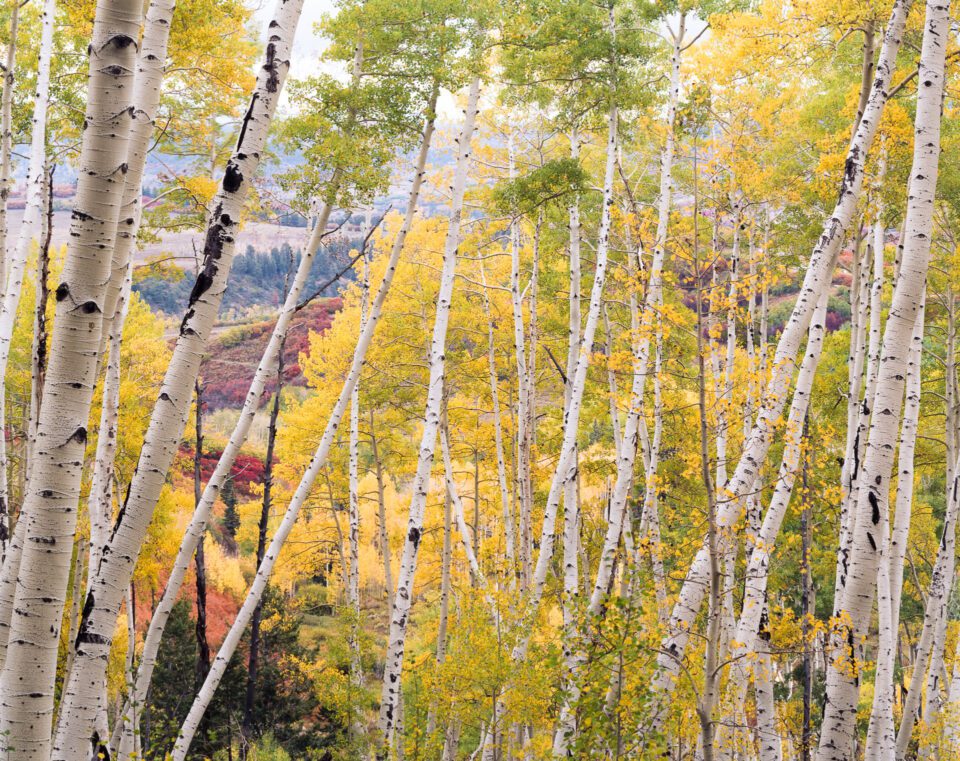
<point>550,183</point>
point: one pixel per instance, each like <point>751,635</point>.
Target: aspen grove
<point>439,380</point>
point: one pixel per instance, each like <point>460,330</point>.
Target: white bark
<point>453,494</point>
<point>881,733</point>
<point>151,65</point>
<point>566,728</point>
<point>857,418</point>
<point>938,596</point>
<point>50,508</point>
<point>509,531</point>
<point>403,599</point>
<point>816,279</point>
<point>112,577</point>
<point>353,588</point>
<point>837,735</point>
<point>100,500</point>
<point>522,486</point>
<point>757,573</point>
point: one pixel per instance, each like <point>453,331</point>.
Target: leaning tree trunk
<point>173,405</point>
<point>758,566</point>
<point>837,735</point>
<point>100,501</point>
<point>755,449</point>
<point>264,370</point>
<point>316,463</point>
<point>50,507</point>
<point>150,70</point>
<point>403,599</point>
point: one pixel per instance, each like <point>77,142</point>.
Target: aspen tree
<point>881,733</point>
<point>50,510</point>
<point>403,599</point>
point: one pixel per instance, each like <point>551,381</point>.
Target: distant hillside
<point>256,279</point>
<point>232,358</point>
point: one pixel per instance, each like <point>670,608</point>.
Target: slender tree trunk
<point>403,600</point>
<point>707,701</point>
<point>567,724</point>
<point>50,508</point>
<point>837,735</point>
<point>100,501</point>
<point>203,647</point>
<point>522,486</point>
<point>446,555</point>
<point>382,515</point>
<point>938,595</point>
<point>757,572</point>
<point>509,531</point>
<point>808,610</point>
<point>353,591</point>
<point>173,405</point>
<point>881,734</point>
<point>253,659</point>
<point>38,352</point>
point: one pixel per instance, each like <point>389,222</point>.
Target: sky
<point>307,45</point>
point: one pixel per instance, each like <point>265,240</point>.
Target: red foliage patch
<point>222,609</point>
<point>246,469</point>
<point>228,368</point>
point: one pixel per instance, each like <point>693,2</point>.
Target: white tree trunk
<point>151,65</point>
<point>50,507</point>
<point>509,531</point>
<point>522,485</point>
<point>566,728</point>
<point>353,589</point>
<point>881,733</point>
<point>112,577</point>
<point>317,463</point>
<point>938,596</point>
<point>816,279</point>
<point>100,500</point>
<point>837,735</point>
<point>403,599</point>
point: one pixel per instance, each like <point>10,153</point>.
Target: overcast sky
<point>307,45</point>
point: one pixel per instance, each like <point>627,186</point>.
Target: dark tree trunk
<point>203,647</point>
<point>254,658</point>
